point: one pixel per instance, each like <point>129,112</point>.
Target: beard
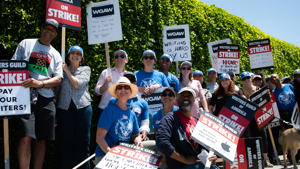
<point>185,105</point>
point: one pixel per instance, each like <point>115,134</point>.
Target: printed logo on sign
<point>174,34</point>
<point>103,10</point>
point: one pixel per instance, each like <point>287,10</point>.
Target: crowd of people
<point>123,115</point>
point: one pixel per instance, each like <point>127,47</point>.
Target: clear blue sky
<point>278,18</point>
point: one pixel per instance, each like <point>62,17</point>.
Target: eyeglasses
<point>186,68</point>
<point>245,78</point>
<point>120,87</point>
<point>148,57</point>
<point>168,94</point>
<point>165,60</point>
<point>121,56</point>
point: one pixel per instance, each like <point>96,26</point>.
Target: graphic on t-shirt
<point>124,128</point>
<point>147,82</point>
<point>39,63</point>
<point>285,98</point>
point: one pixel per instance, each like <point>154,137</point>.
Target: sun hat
<point>197,72</point>
<point>224,76</point>
<point>187,89</point>
<point>78,48</point>
<point>123,81</point>
<point>167,56</point>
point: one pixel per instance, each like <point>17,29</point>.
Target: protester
<point>285,98</point>
<point>117,122</point>
<point>45,72</point>
<point>185,79</point>
<point>198,75</point>
<point>222,94</point>
<point>258,81</point>
<point>233,78</point>
<point>270,85</point>
<point>165,64</point>
<point>248,88</point>
<point>110,76</point>
<point>74,111</point>
<point>168,99</point>
<point>149,80</point>
<point>286,80</point>
<point>173,137</point>
<point>212,76</point>
<point>139,106</point>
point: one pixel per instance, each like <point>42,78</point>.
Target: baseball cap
<point>149,51</point>
<point>186,62</point>
<point>245,74</point>
<point>257,77</point>
<point>169,89</point>
<point>224,76</point>
<point>78,48</point>
<point>187,89</point>
<point>167,56</point>
<point>285,79</point>
<point>122,51</point>
<point>211,69</point>
<point>297,72</point>
<point>131,76</point>
<point>52,22</point>
<point>197,72</point>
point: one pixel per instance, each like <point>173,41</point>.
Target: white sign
<point>127,156</point>
<point>228,59</point>
<point>14,98</point>
<point>260,54</point>
<point>104,22</point>
<point>176,42</point>
<point>213,53</point>
<point>215,135</point>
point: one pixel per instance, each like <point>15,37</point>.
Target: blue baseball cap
<point>122,51</point>
<point>245,74</point>
<point>149,51</point>
<point>252,74</point>
<point>211,69</point>
<point>167,56</point>
<point>78,48</point>
<point>197,72</point>
<point>186,63</point>
<point>224,76</point>
<point>286,79</point>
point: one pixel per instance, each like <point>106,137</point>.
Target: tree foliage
<point>142,25</point>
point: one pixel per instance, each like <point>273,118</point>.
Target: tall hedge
<point>142,24</point>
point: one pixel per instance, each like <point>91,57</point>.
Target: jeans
<point>199,166</point>
<point>74,132</point>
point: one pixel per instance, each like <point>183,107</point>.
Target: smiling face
<point>168,98</point>
<point>123,91</point>
<point>120,59</point>
<point>165,63</point>
<point>225,83</point>
<point>148,60</point>
<point>75,57</point>
<point>198,77</point>
<point>185,101</point>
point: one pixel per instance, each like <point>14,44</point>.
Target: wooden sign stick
<point>63,42</point>
<point>6,143</point>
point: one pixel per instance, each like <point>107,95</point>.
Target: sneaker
<point>267,163</point>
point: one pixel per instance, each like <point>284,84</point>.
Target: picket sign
<point>295,119</point>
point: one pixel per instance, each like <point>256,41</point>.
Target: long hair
<point>181,77</point>
<point>220,91</point>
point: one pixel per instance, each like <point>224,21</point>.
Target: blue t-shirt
<point>147,79</point>
<point>120,125</point>
<point>138,105</point>
<point>285,97</point>
<point>157,116</point>
<point>173,81</point>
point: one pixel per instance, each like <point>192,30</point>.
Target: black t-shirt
<point>219,102</point>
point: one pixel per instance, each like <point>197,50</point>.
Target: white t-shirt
<point>44,62</point>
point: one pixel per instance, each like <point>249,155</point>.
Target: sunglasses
<point>168,94</point>
<point>245,78</point>
<point>120,87</point>
<point>148,57</point>
<point>121,56</point>
<point>165,60</point>
<point>186,68</point>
